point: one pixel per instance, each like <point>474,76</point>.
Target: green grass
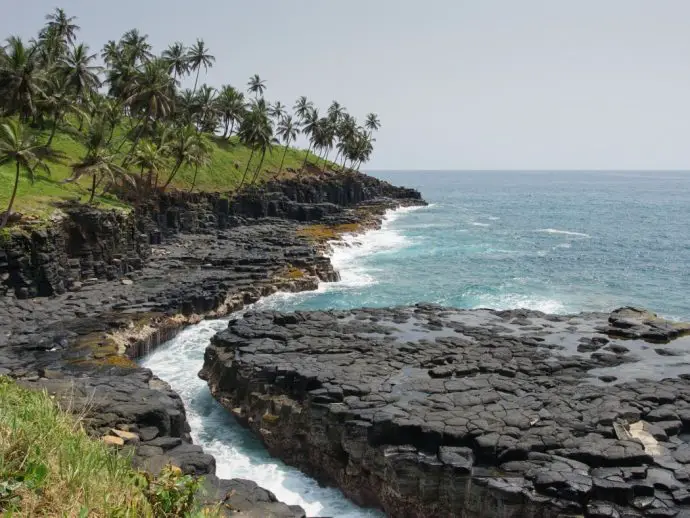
<point>50,467</point>
<point>223,174</point>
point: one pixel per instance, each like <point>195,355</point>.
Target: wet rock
<point>455,399</point>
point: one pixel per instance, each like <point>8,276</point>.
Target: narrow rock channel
<point>238,453</point>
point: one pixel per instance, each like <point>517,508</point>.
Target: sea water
<point>558,242</point>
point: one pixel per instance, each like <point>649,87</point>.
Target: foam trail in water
<point>512,301</point>
<point>238,453</point>
<point>347,253</point>
<point>563,232</point>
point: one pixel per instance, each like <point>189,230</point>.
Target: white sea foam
<point>347,253</point>
<point>562,232</point>
<point>478,224</point>
<point>513,300</point>
<point>238,454</point>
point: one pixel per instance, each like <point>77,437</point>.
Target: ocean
<point>558,242</point>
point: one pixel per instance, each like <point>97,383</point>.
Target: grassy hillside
<point>50,467</point>
<point>224,173</point>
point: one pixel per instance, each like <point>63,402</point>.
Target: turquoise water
<point>557,242</point>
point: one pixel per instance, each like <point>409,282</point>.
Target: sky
<point>457,84</point>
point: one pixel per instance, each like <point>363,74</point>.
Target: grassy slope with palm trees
<point>74,129</point>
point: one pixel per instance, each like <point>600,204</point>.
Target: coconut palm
<point>21,79</point>
<point>231,106</point>
<point>310,126</point>
<point>178,60</point>
<point>152,158</point>
<point>277,110</point>
<point>80,75</point>
<point>256,86</point>
<point>200,156</point>
<point>302,108</point>
<point>182,148</point>
<point>135,47</point>
<point>111,53</point>
<point>256,132</point>
<point>372,123</point>
<point>198,56</point>
<point>61,25</point>
<point>207,108</point>
<point>150,95</point>
<point>57,102</point>
<point>99,160</point>
<point>19,146</point>
<point>287,130</point>
<point>335,112</point>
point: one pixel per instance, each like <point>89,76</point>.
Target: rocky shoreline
<point>429,411</point>
<point>85,296</point>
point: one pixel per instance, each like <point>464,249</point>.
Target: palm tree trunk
<point>112,132</point>
<point>282,161</point>
<point>344,161</point>
<point>244,176</point>
<point>6,217</point>
<point>258,169</point>
<point>196,170</point>
<point>304,164</point>
<point>225,132</point>
<point>93,188</point>
<point>196,80</point>
<point>178,164</point>
<point>52,132</point>
<point>232,128</point>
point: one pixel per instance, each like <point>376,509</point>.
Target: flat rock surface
<point>587,412</point>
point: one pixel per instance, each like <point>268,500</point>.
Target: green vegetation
<point>324,233</point>
<point>50,467</point>
<point>119,133</point>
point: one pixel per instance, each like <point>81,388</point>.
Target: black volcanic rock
<point>430,411</point>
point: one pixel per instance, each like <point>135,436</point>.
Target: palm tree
<point>19,146</point>
<point>111,53</point>
<point>231,106</point>
<point>62,26</point>
<point>257,86</point>
<point>208,113</point>
<point>287,130</point>
<point>21,79</point>
<point>335,112</point>
<point>151,95</point>
<point>302,108</point>
<point>372,123</point>
<point>310,125</point>
<point>182,148</point>
<point>152,158</point>
<point>200,156</point>
<point>135,47</point>
<point>99,161</point>
<point>199,56</point>
<point>80,75</point>
<point>277,111</point>
<point>57,102</point>
<point>256,133</point>
<point>177,58</point>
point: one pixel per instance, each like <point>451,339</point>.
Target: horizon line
<point>534,170</point>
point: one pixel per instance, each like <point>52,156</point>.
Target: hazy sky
<point>481,84</point>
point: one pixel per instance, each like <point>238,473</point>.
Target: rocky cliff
<point>82,244</point>
<point>114,296</point>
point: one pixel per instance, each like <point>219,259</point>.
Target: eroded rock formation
<point>428,411</point>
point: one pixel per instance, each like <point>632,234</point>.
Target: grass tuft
<point>49,466</point>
